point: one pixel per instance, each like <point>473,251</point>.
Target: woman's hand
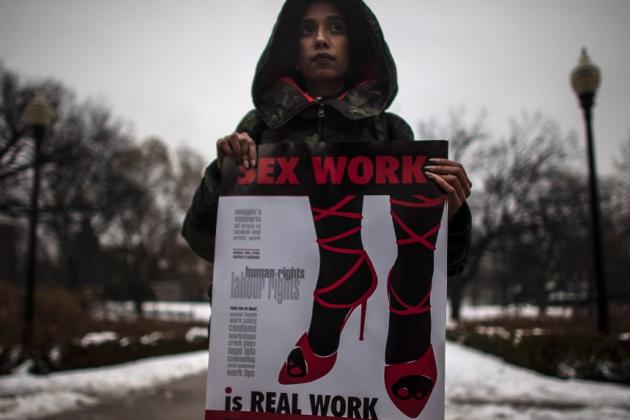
<point>452,178</point>
<point>239,147</point>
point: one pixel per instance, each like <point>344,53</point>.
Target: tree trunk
<point>137,307</point>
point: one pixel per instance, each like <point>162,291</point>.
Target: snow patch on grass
<point>474,313</point>
<point>25,396</point>
<point>97,338</point>
<point>196,333</point>
<point>38,404</point>
<point>475,377</point>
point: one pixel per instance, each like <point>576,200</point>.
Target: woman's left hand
<point>452,178</point>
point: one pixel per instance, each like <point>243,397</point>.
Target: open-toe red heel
<point>316,366</point>
<point>409,385</point>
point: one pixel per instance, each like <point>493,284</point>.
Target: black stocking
<point>416,222</point>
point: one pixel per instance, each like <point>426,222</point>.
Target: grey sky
<point>183,70</point>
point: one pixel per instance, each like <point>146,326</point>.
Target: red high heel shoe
<point>398,381</point>
<point>316,365</point>
<point>409,385</point>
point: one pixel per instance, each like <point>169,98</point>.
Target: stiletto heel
<point>363,313</point>
<point>409,385</point>
<point>316,366</point>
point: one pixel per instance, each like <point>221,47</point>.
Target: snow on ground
<point>478,387</point>
<point>200,311</point>
<point>188,311</point>
<point>473,313</point>
<point>96,338</point>
<point>24,396</point>
<point>195,333</point>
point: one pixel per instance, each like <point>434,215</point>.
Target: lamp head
<point>39,113</point>
<point>585,77</point>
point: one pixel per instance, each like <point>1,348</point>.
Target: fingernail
<point>246,165</point>
<point>254,163</point>
<point>429,167</point>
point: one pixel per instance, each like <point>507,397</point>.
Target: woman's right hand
<point>239,147</point>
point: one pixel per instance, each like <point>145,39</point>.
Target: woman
<point>327,75</point>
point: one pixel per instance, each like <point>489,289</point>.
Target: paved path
<point>182,399</point>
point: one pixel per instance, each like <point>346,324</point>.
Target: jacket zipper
<point>321,113</point>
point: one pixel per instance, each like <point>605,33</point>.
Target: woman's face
<point>323,55</point>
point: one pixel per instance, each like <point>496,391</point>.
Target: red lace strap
<point>319,214</point>
<point>423,201</point>
<point>325,241</point>
<point>420,308</point>
<point>318,292</point>
<point>413,238</point>
<point>336,210</point>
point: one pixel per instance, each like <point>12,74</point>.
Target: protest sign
<point>288,276</point>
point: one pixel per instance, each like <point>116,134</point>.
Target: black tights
<point>409,335</point>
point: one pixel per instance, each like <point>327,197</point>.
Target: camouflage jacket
<point>285,112</point>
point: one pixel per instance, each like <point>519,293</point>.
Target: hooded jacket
<point>285,112</point>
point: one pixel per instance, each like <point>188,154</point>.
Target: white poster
<point>316,248</point>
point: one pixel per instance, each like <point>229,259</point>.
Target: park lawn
<point>564,347</point>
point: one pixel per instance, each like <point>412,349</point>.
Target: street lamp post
<point>38,115</point>
<point>585,79</point>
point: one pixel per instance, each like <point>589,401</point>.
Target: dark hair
<point>362,58</point>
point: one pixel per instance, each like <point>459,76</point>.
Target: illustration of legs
<point>410,369</point>
<point>346,280</point>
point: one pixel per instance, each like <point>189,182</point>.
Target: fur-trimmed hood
<point>372,86</point>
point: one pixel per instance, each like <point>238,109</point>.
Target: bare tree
<point>517,179</point>
<point>80,141</point>
<point>616,209</point>
<point>151,190</point>
<point>111,209</point>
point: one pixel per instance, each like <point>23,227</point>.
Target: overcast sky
<point>183,70</point>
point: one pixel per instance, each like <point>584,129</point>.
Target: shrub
<point>60,323</point>
<point>560,348</point>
